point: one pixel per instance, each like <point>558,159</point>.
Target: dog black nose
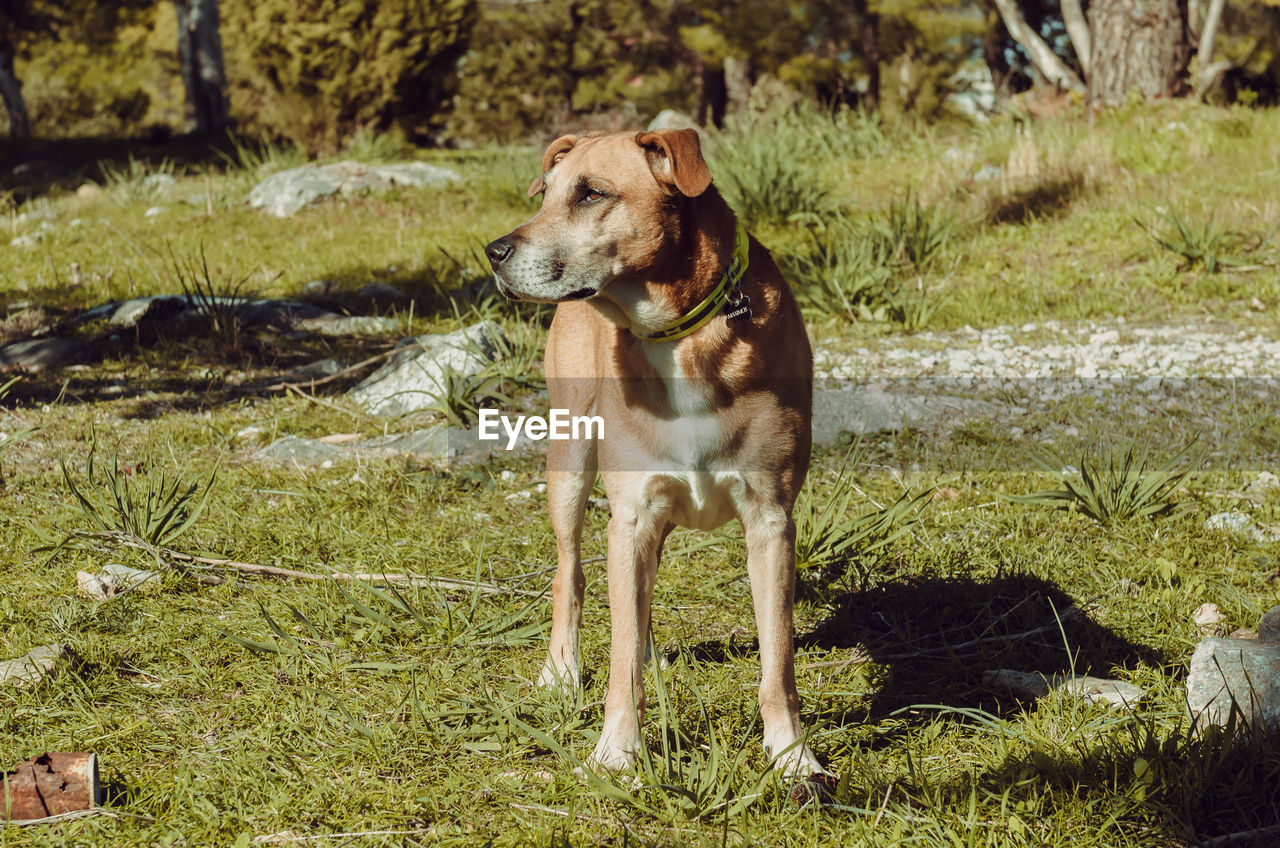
<point>498,250</point>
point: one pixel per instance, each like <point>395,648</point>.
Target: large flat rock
<point>284,194</point>
<point>1237,675</point>
<point>414,379</point>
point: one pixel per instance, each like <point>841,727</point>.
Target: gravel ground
<point>1086,351</point>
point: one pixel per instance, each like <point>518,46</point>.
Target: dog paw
<point>558,678</point>
<point>611,758</point>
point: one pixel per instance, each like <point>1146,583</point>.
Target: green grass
<point>223,714</point>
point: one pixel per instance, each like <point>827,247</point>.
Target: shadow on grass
<point>1047,197</point>
<point>939,634</point>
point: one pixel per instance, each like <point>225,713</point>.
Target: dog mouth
<point>580,294</point>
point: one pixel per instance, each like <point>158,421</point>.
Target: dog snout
<point>499,250</point>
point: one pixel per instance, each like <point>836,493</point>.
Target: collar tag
<point>740,311</point>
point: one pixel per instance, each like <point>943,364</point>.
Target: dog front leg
<point>635,537</point>
<point>771,566</point>
<point>571,472</point>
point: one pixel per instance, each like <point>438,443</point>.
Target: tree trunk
<point>737,82</point>
<point>1138,45</point>
<point>1043,59</point>
<point>713,96</point>
<point>869,36</point>
<point>200,54</point>
<point>11,91</point>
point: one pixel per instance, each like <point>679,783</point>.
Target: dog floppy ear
<point>555,152</point>
<point>675,156</point>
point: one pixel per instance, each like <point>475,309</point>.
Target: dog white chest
<point>689,474</point>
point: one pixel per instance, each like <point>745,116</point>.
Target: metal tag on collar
<point>739,306</point>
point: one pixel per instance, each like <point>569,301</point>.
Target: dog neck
<point>688,268</point>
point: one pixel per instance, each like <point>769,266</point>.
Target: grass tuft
<point>1122,488</point>
<point>156,513</point>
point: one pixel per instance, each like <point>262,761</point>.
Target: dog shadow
<point>935,637</point>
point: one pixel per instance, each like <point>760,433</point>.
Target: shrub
<point>317,71</point>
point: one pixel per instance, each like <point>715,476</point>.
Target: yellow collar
<point>723,293</point>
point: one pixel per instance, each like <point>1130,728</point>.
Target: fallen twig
<point>288,836</point>
<point>304,395</point>
<point>450,584</point>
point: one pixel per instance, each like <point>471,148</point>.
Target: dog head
<point>609,205</point>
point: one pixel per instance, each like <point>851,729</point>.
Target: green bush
<point>315,72</point>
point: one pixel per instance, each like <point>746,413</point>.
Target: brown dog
<point>678,330</point>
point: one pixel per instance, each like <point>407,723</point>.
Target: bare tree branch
<point>1078,30</point>
<point>1044,59</point>
<point>1210,30</point>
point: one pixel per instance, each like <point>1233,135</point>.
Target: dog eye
<point>592,196</point>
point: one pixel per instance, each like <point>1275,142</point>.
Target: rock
<point>428,442</point>
<point>35,666</point>
<point>155,212</point>
<point>28,240</point>
<point>158,182</point>
<point>115,579</point>
<point>349,325</point>
<point>285,193</point>
<point>673,119</point>
<point>1095,690</point>
<point>1238,522</point>
<point>319,288</point>
<point>317,370</point>
<point>175,312</point>
<point>1229,675</point>
<point>959,158</point>
<point>301,452</point>
<point>88,190</point>
<point>413,378</point>
<point>1208,619</point>
<point>988,173</point>
<point>869,409</point>
<point>380,293</point>
<point>41,354</point>
<point>1263,483</point>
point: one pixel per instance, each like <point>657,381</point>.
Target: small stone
<point>115,579</point>
<point>88,190</point>
<point>319,288</point>
<point>317,370</point>
<point>155,212</point>
<point>1237,522</point>
<point>988,173</point>
<point>28,240</point>
<point>1208,619</point>
<point>1095,690</point>
<point>507,476</point>
<point>158,182</point>
<point>35,666</point>
<point>1263,483</point>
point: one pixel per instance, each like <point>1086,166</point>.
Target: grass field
<point>269,710</point>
